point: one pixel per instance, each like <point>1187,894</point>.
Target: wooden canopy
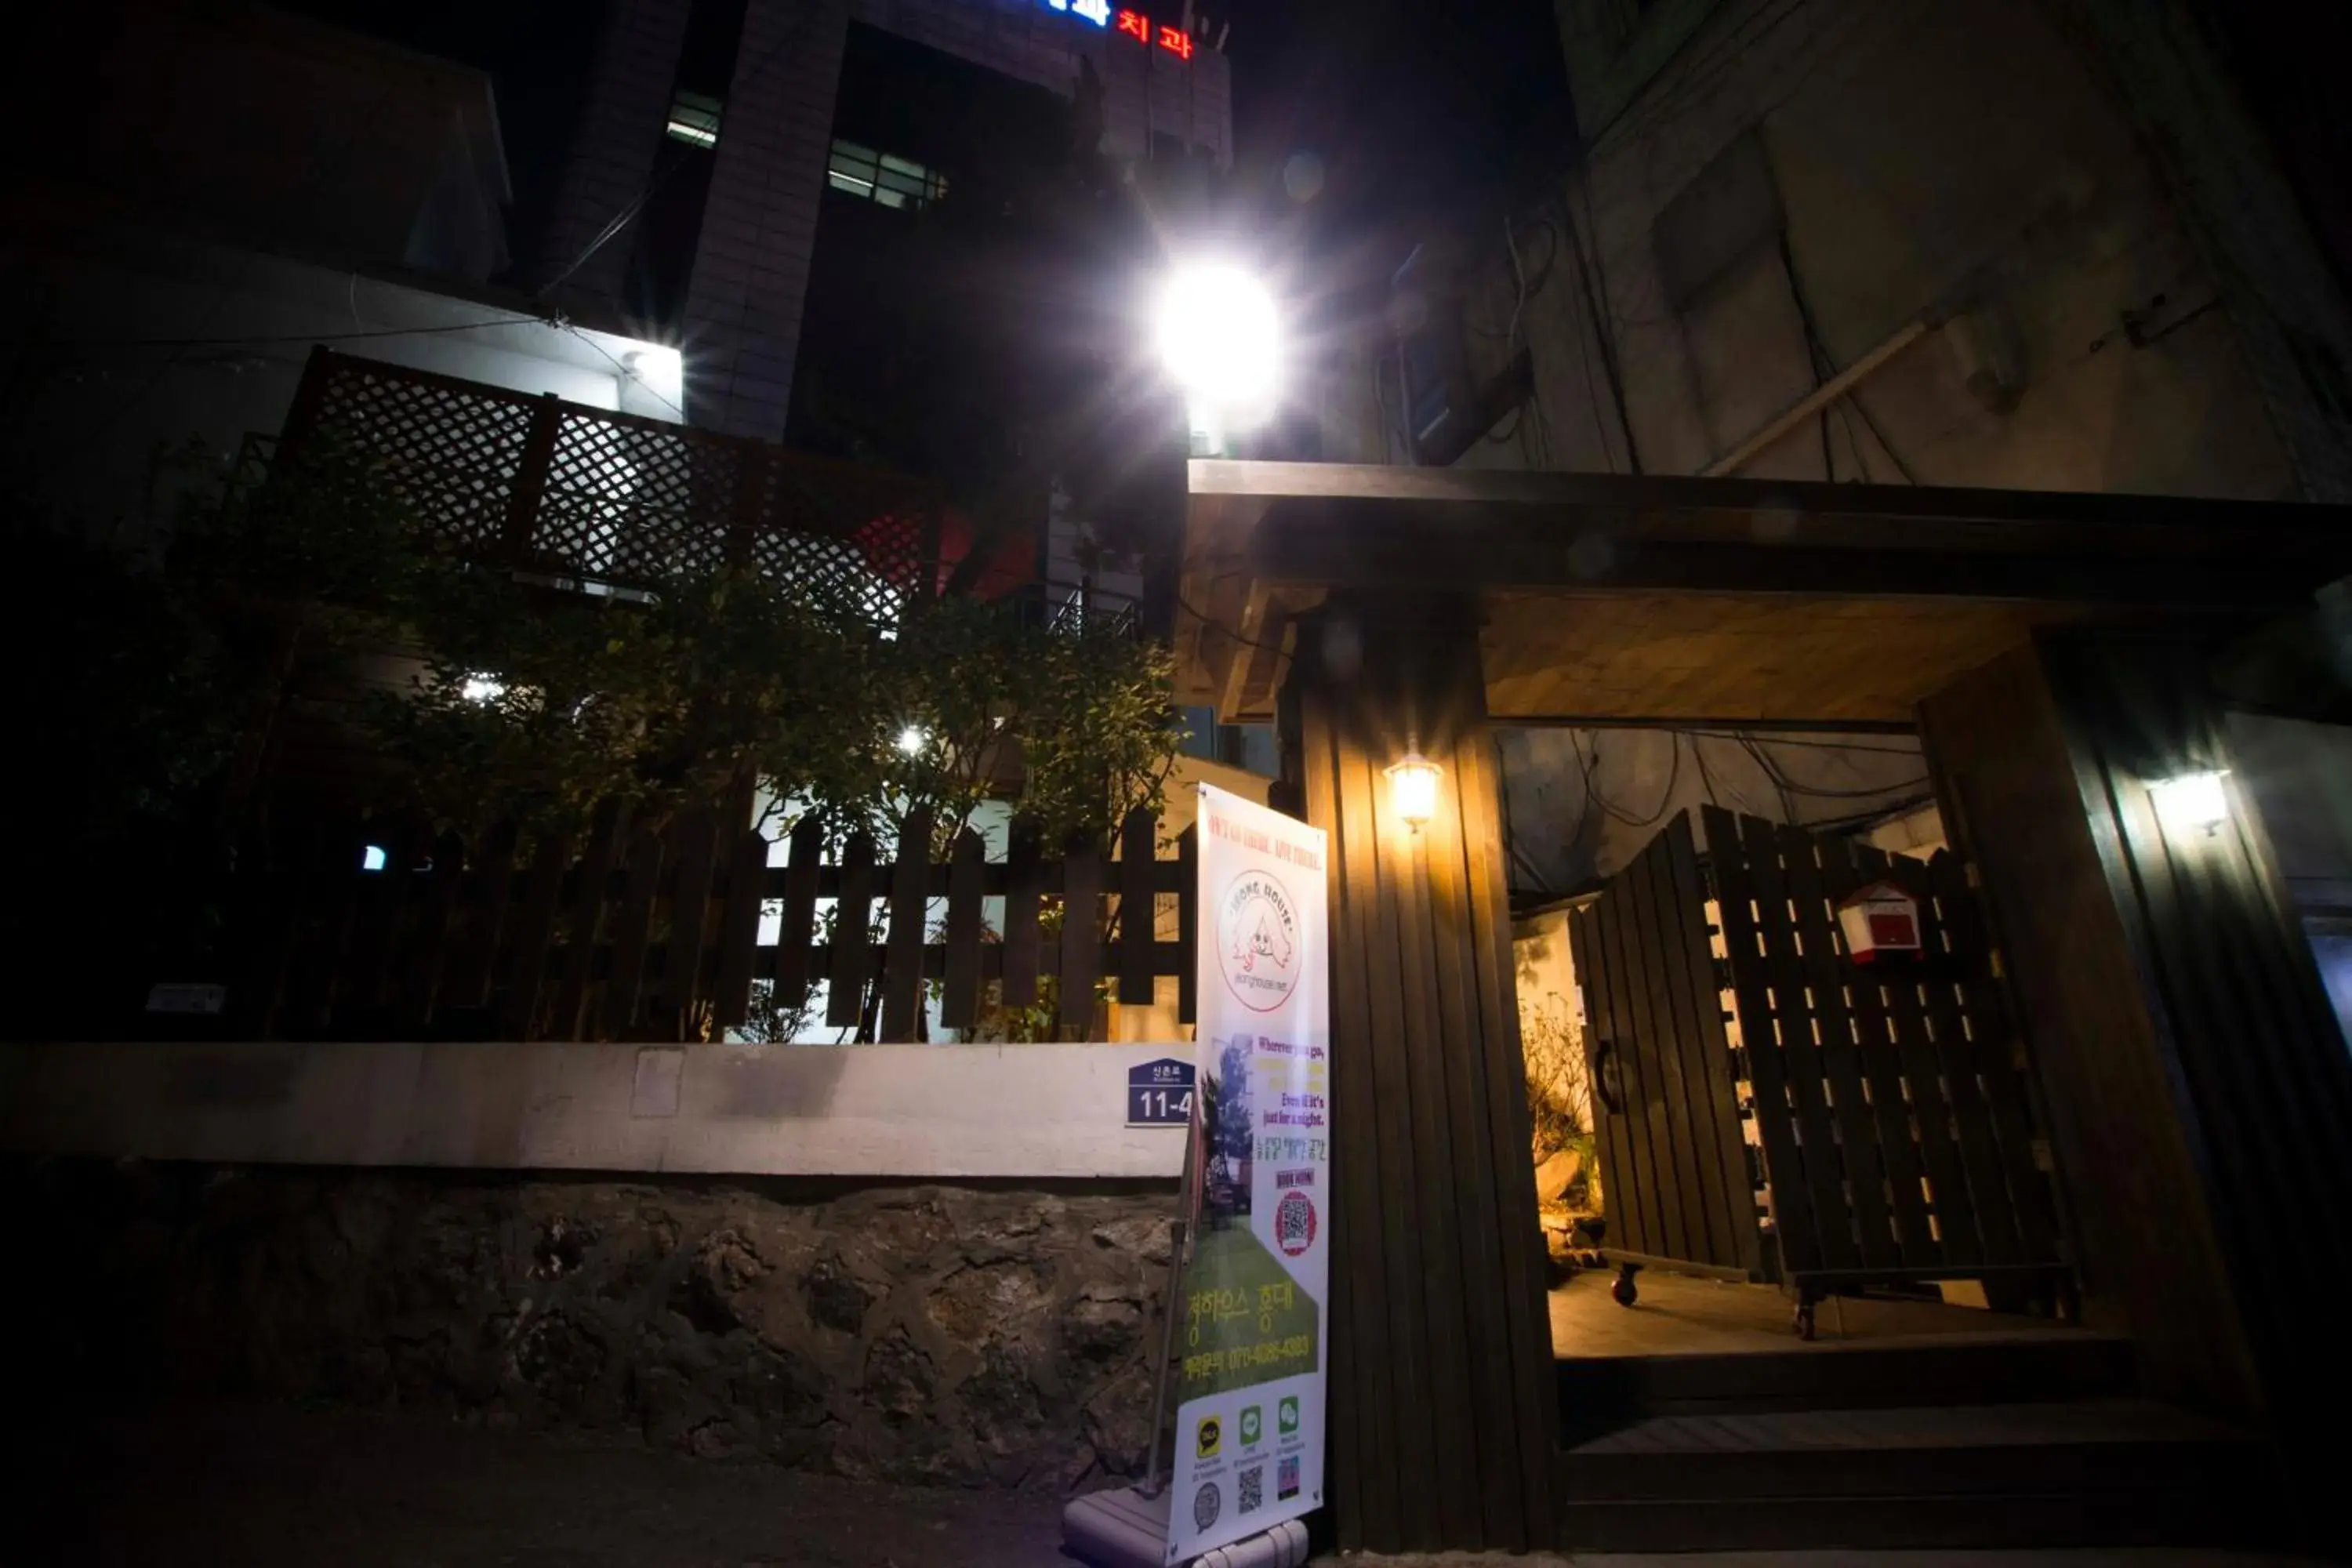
<point>1617,598</point>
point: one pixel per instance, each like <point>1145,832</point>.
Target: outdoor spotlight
<point>482,690</point>
<point>373,857</point>
<point>1412,789</point>
<point>2190,801</point>
<point>912,740</point>
<point>1219,342</point>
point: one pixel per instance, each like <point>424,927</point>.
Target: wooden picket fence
<point>629,932</point>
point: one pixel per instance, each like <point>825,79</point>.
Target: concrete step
<point>2107,1472</point>
<point>1601,1393</point>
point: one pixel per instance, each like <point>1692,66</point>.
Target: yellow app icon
<point>1206,1441</point>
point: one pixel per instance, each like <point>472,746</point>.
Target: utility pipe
<point>1820,397</point>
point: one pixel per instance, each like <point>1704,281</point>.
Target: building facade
<point>720,118</point>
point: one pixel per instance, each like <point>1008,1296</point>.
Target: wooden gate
<point>1887,1106</point>
<point>1675,1171</point>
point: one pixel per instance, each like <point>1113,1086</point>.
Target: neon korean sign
<point>1133,24</point>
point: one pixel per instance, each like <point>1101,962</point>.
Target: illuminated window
<point>884,178</point>
<point>693,120</point>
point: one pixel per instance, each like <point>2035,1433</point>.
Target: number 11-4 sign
<point>1159,1094</point>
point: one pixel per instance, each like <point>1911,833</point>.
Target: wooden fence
<point>379,930</point>
<point>1878,1119</point>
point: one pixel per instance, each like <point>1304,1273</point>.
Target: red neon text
<point>1177,42</point>
<point>1137,25</point>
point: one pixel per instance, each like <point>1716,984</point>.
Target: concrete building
<point>2040,245</point>
<point>241,185</point>
<point>720,118</point>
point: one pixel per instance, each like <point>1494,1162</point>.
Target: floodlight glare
<point>1218,339</point>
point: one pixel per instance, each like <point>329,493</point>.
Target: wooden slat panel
<point>1722,1151</point>
<point>1957,1057</point>
<point>425,946</point>
<point>589,894</point>
<point>739,932</point>
<point>1520,1387</point>
<point>1825,971</point>
<point>1608,1128</point>
<point>1363,1476</point>
<point>1800,1055</point>
<point>1796,1228</point>
<point>796,936</point>
<point>902,979</point>
<point>1680,1206</point>
<point>959,999</point>
<point>683,970</point>
<point>849,959</point>
<point>1024,881</point>
<point>472,962</point>
<point>1136,908</point>
<point>1188,926</point>
<point>1649,1231</point>
<point>1389,1083</point>
<point>1081,943</point>
<point>1955,1211</point>
<point>1410,862</point>
<point>528,956</point>
<point>319,955</point>
<point>632,929</point>
<point>1956,924</point>
<point>1882,1067</point>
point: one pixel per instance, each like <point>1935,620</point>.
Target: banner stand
<point>1256,1152</point>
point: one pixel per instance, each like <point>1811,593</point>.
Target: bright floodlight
<point>1218,339</point>
<point>911,739</point>
<point>482,690</point>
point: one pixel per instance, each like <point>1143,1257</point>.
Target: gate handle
<point>1603,1058</point>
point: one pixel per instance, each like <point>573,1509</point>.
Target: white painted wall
<point>720,1110</point>
<point>923,1112</point>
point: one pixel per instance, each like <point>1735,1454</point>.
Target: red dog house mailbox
<point>1879,922</point>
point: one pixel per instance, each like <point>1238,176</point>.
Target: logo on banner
<point>1206,1441</point>
<point>1253,1425</point>
<point>1257,942</point>
<point>1294,1223</point>
<point>1206,1504</point>
<point>1286,1414</point>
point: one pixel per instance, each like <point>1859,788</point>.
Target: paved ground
<point>271,1486</point>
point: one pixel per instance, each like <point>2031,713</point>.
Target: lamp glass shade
<point>1412,789</point>
<point>2191,802</point>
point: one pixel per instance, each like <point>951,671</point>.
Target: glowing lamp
<point>1412,789</point>
<point>912,740</point>
<point>1217,336</point>
<point>2191,802</point>
<point>482,690</point>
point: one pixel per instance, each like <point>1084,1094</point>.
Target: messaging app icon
<point>1287,1413</point>
<point>1253,1424</point>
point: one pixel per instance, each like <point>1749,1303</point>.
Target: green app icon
<point>1287,1413</point>
<point>1253,1424</point>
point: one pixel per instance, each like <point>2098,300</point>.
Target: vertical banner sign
<point>1249,1420</point>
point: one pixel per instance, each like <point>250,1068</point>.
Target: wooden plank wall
<point>2200,1091</point>
<point>1890,1098</point>
<point>643,933</point>
<point>1675,1173</point>
<point>1442,1426</point>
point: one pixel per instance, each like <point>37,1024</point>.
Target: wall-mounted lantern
<point>1412,789</point>
<point>2191,802</point>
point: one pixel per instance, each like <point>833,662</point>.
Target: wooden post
<point>1442,1426</point>
<point>530,489</point>
<point>2200,1095</point>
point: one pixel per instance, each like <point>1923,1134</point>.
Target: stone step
<point>2109,1472</point>
<point>1599,1394</point>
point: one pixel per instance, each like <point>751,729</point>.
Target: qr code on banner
<point>1251,1484</point>
<point>1286,1477</point>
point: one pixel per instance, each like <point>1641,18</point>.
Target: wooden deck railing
<point>379,930</point>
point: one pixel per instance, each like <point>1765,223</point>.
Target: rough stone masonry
<point>941,1334</point>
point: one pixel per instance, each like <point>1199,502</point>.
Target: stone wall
<point>965,1335</point>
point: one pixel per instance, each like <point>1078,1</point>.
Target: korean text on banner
<point>1249,1424</point>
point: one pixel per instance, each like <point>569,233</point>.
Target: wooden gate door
<point>1891,1099</point>
<point>1676,1172</point>
<point>1766,1106</point>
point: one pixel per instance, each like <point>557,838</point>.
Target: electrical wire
<point>267,341</point>
<point>1592,787</point>
<point>1772,770</point>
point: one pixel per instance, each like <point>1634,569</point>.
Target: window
<point>693,119</point>
<point>884,178</point>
